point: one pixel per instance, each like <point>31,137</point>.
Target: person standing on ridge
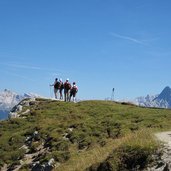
<point>56,87</point>
<point>73,92</point>
<point>61,87</point>
<point>67,87</point>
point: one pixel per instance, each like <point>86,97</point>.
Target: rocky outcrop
<point>8,99</point>
<point>162,160</point>
<point>18,110</point>
<point>35,146</point>
<point>33,154</point>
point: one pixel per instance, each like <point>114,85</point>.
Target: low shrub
<point>61,156</point>
<point>59,145</point>
<point>17,155</point>
<point>134,153</point>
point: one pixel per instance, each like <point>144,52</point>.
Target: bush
<point>16,139</point>
<point>59,145</point>
<point>132,157</point>
<point>17,155</point>
<point>25,167</point>
<point>134,153</point>
<point>85,143</point>
<point>11,156</point>
<point>61,156</point>
<point>1,163</point>
<point>34,146</point>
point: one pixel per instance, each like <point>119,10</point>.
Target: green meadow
<point>88,135</point>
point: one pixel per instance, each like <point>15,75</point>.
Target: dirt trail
<point>165,137</point>
<point>163,162</point>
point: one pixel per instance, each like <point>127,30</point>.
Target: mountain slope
<point>162,100</point>
<point>79,136</point>
<point>146,101</point>
<point>3,114</point>
<point>9,99</point>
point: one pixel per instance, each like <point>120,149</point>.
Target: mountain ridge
<point>162,100</point>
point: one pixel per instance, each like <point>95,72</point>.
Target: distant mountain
<point>165,96</point>
<point>9,99</point>
<point>146,101</point>
<point>162,100</point>
<point>3,114</point>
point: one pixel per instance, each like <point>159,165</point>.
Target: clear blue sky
<point>100,44</point>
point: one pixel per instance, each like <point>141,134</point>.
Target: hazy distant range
<point>3,114</point>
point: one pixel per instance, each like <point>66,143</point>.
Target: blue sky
<point>100,44</point>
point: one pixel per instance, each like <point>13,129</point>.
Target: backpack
<point>74,89</point>
<point>67,86</point>
<point>61,85</point>
<point>57,85</point>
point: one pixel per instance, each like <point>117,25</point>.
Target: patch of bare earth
<point>163,159</point>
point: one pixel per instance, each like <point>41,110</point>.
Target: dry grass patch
<point>83,160</point>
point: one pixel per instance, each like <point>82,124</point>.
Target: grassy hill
<point>89,135</point>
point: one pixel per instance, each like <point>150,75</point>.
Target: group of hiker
<point>70,91</point>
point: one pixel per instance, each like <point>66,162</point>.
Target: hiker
<point>61,87</point>
<point>73,92</point>
<point>67,87</point>
<point>56,87</point>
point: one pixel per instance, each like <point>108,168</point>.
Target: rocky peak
<point>165,94</point>
<point>162,100</point>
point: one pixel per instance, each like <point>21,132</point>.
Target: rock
<point>13,115</point>
<point>32,103</point>
<point>65,137</point>
<point>16,110</point>
<point>26,112</point>
<point>19,108</point>
<point>160,164</point>
<point>26,102</point>
<point>51,162</point>
<point>166,168</point>
<point>24,147</point>
<point>70,129</point>
<point>36,136</point>
<point>39,167</point>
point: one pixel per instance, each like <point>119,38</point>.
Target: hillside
<point>89,135</point>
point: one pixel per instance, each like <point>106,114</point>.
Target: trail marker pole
<point>112,96</point>
<point>50,91</point>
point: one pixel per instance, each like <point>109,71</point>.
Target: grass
<point>102,132</point>
<point>141,141</point>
